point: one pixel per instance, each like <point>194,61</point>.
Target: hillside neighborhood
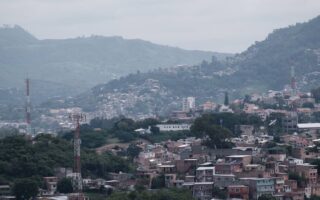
<point>218,100</point>
<point>275,153</point>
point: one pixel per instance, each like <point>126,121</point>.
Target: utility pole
<point>293,82</point>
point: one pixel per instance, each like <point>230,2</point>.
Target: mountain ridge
<point>263,66</point>
<point>96,58</point>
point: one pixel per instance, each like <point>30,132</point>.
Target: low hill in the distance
<point>83,62</point>
<point>263,66</point>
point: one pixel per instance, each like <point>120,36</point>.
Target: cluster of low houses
<point>246,171</point>
<point>254,106</point>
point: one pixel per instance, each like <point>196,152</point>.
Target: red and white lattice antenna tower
<point>77,118</point>
<point>28,107</point>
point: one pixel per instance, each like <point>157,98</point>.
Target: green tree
<point>133,151</point>
<point>125,124</point>
<point>65,186</point>
<point>308,105</point>
<point>313,197</point>
<point>227,120</point>
<point>147,122</point>
<point>158,182</point>
<point>155,129</point>
<point>21,158</point>
<point>226,98</point>
<point>163,194</point>
<point>120,196</point>
<point>266,197</point>
<point>215,136</point>
<point>221,194</point>
<point>317,163</point>
<point>125,136</point>
<point>274,122</point>
<point>316,94</point>
<point>24,189</point>
<point>8,131</point>
<point>247,98</point>
<point>289,150</point>
<point>140,187</point>
<point>300,179</point>
<point>105,124</point>
<point>316,116</point>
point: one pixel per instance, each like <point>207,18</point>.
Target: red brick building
<point>238,192</point>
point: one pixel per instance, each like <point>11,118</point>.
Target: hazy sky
<point>217,25</point>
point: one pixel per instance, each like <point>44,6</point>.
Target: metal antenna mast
<point>28,107</point>
<point>77,118</point>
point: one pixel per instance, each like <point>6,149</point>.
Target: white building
<point>173,127</point>
<point>205,174</point>
<point>188,104</point>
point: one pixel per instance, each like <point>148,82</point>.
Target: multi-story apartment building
<point>308,171</point>
<point>259,186</point>
<point>228,168</point>
<point>203,190</point>
<point>205,174</point>
<point>223,180</point>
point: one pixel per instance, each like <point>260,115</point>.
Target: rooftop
<point>224,175</point>
<point>237,186</point>
<point>166,166</point>
<point>205,168</point>
<point>191,159</point>
<point>58,198</point>
<point>188,183</point>
<point>309,126</point>
<point>203,183</point>
<point>306,164</point>
<point>206,163</point>
<point>256,178</point>
<point>238,156</point>
<point>252,165</point>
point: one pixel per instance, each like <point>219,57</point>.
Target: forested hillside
<point>21,158</point>
<point>264,66</point>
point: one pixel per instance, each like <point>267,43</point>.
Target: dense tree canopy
<point>266,197</point>
<point>226,99</point>
<point>133,151</point>
<point>301,180</point>
<point>226,120</point>
<point>217,137</point>
<point>21,158</point>
<point>316,94</point>
<point>219,193</point>
<point>24,189</point>
<point>210,127</point>
<point>64,186</point>
<point>165,194</point>
<point>158,182</point>
<point>313,197</point>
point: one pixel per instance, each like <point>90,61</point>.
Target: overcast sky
<point>217,25</point>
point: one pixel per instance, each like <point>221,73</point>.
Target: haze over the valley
<point>215,25</point>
